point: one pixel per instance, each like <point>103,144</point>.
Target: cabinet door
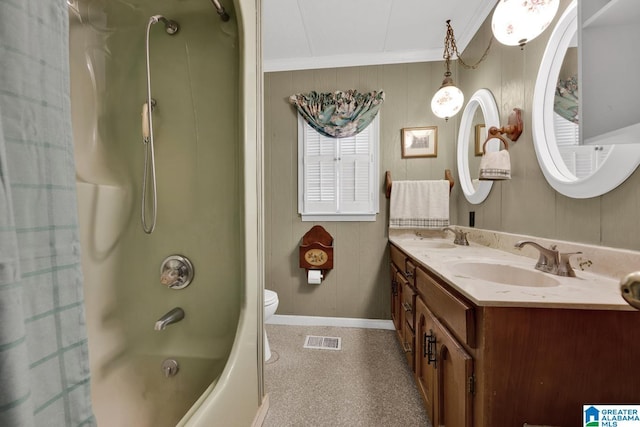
<point>454,380</point>
<point>401,317</point>
<point>425,367</point>
<point>408,345</point>
<point>395,297</point>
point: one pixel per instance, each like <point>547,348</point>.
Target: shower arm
<point>223,13</point>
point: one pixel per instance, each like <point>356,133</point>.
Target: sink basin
<point>436,245</point>
<point>504,274</point>
<point>430,244</point>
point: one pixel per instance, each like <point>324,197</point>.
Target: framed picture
<point>420,142</point>
<point>481,137</point>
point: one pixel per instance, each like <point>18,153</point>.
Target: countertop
<point>587,291</point>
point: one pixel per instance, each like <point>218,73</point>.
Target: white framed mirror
<point>574,168</point>
<point>480,114</point>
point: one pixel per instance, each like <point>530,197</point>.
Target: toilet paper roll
<point>314,277</point>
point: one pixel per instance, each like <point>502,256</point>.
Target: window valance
<point>565,102</point>
<point>338,114</point>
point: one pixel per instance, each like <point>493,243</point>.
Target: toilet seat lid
<point>270,297</point>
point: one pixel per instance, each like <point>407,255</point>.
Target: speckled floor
<point>368,383</point>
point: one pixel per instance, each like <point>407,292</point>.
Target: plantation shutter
<point>355,167</point>
<point>320,172</point>
<point>337,177</point>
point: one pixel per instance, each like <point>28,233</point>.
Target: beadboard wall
<point>527,204</point>
<point>358,286</point>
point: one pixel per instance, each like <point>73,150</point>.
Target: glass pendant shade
<point>516,22</point>
<point>447,101</point>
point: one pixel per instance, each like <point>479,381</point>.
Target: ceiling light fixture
<point>448,100</point>
<point>517,22</point>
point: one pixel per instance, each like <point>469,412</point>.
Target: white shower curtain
<point>44,367</point>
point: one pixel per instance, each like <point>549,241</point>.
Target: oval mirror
<point>471,136</point>
<point>573,167</point>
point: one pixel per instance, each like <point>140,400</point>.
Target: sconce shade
<point>516,22</point>
<point>448,100</point>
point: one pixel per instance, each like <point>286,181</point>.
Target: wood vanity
<point>504,365</point>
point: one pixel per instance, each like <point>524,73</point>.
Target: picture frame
<point>419,142</point>
<point>481,137</point>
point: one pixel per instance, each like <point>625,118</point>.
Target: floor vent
<point>323,343</point>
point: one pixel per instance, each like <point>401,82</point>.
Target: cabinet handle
<point>430,344</point>
<point>407,347</point>
<point>394,288</point>
<point>409,274</point>
<point>406,306</point>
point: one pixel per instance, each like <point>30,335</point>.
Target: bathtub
<point>206,80</point>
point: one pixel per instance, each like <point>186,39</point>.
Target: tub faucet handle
<point>176,272</point>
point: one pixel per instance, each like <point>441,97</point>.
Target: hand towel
<point>495,165</point>
<point>419,204</point>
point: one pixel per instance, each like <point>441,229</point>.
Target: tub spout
<point>172,316</point>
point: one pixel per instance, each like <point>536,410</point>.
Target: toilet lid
<point>270,297</point>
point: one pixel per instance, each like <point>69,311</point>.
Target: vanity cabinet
<point>487,366</point>
<point>403,297</point>
<point>444,369</point>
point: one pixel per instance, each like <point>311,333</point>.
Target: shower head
<point>171,27</point>
<point>220,10</point>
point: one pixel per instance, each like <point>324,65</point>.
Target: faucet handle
<point>462,238</point>
<point>564,267</point>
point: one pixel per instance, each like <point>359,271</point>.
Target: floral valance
<point>338,114</point>
<point>566,99</point>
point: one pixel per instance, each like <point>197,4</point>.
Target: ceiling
<point>310,34</point>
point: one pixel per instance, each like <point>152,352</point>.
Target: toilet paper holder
<point>316,250</point>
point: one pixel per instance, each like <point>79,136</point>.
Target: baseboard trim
<point>345,322</point>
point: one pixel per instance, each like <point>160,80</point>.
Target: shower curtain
<point>44,367</point>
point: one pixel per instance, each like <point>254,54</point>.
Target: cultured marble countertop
<point>586,291</point>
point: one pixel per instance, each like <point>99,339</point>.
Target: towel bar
<point>388,182</point>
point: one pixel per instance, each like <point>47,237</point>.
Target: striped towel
<point>419,204</point>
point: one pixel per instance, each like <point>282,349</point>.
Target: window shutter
<point>355,172</point>
<point>319,173</point>
<point>337,177</point>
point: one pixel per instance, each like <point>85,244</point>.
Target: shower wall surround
<point>198,124</point>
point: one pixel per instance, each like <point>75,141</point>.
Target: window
<point>337,177</point>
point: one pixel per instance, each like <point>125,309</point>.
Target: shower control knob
<point>176,272</point>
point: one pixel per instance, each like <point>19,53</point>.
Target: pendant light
<point>448,100</point>
<point>517,22</point>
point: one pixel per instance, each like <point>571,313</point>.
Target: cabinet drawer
<point>408,304</point>
<point>409,345</point>
<point>398,258</point>
<point>410,271</point>
<point>457,314</point>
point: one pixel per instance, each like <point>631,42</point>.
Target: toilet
<point>270,306</point>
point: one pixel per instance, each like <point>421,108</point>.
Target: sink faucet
<point>460,236</point>
<point>173,316</point>
<point>550,260</point>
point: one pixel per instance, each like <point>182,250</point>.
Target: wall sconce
<point>448,100</point>
<point>517,22</point>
